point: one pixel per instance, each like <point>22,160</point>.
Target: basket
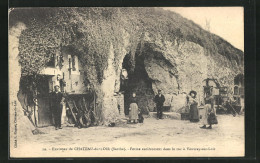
<point>185,116</point>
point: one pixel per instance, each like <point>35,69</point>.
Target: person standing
<point>209,108</point>
<point>194,112</point>
<point>159,100</point>
<point>56,106</point>
<point>133,110</point>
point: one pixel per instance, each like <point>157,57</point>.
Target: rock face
<point>174,69</point>
<point>108,87</point>
<point>181,68</point>
<point>20,126</point>
<point>161,74</point>
<point>174,65</point>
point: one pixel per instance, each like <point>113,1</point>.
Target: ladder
<point>71,104</point>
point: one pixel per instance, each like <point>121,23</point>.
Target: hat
<point>159,90</point>
<point>194,92</point>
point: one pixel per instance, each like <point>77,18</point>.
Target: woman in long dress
<point>209,107</point>
<point>194,112</point>
<point>133,110</point>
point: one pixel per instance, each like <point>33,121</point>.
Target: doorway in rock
<point>35,100</point>
<point>138,82</point>
<point>239,88</point>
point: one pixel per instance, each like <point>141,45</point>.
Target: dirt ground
<point>183,137</point>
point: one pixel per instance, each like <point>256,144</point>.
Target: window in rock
<point>239,80</point>
<point>73,62</point>
<point>239,85</point>
<point>51,62</point>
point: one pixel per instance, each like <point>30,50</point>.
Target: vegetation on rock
<point>92,30</point>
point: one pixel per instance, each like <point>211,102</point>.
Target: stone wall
<point>74,79</point>
<point>20,126</point>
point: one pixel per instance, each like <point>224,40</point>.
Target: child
<point>140,118</point>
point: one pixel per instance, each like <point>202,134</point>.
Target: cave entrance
<point>139,82</point>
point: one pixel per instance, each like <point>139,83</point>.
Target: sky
<point>226,22</point>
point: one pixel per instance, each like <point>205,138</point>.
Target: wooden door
<point>44,112</point>
<point>43,97</point>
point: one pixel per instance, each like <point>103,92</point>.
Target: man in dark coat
<point>159,100</point>
<point>56,106</point>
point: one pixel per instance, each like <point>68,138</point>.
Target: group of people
<point>135,114</point>
<point>209,116</point>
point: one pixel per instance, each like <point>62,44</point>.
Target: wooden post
<point>36,113</point>
<point>72,112</point>
<point>75,105</point>
<point>84,101</point>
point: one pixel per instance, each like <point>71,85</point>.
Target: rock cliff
<point>159,49</point>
